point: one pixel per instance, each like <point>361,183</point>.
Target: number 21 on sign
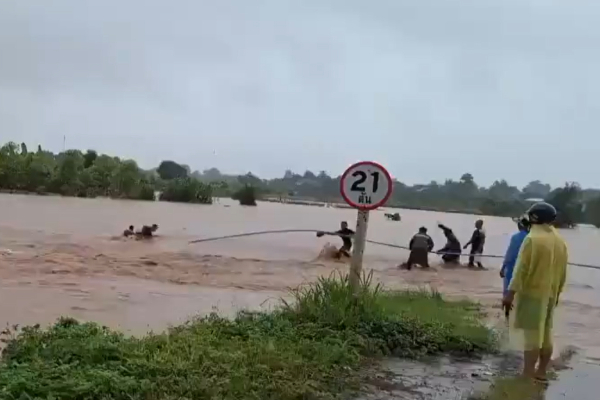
<point>366,185</point>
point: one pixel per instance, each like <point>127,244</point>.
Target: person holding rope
<point>346,234</point>
<point>538,281</point>
<point>420,245</point>
<point>451,250</point>
<point>477,242</point>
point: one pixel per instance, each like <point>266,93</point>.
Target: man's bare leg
<point>530,360</point>
<point>545,358</point>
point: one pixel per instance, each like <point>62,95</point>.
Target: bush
<point>311,348</point>
<point>246,195</point>
<point>145,192</point>
<point>187,190</point>
<point>402,323</point>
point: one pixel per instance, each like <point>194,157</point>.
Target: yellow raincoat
<point>539,278</point>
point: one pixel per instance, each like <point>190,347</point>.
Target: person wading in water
<point>129,231</point>
<point>147,232</point>
<point>346,234</point>
<point>535,288</point>
<point>420,245</point>
<point>452,247</point>
<point>477,242</point>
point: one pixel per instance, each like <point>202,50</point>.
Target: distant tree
<point>592,211</point>
<point>467,178</point>
<point>212,174</point>
<point>567,201</point>
<point>88,158</point>
<point>536,189</point>
<point>168,170</point>
<point>250,180</point>
<point>501,190</point>
<point>187,190</point>
<point>309,175</point>
<point>246,195</point>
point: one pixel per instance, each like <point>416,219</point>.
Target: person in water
<point>510,258</point>
<point>452,247</point>
<point>535,288</point>
<point>129,231</point>
<point>147,231</point>
<point>346,234</point>
<point>477,242</point>
<point>420,245</point>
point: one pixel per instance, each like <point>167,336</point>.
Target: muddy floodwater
<point>60,256</point>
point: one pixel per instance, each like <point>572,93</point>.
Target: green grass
<point>310,348</point>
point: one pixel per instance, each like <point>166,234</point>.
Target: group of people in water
<point>147,232</point>
<point>422,244</point>
<point>534,273</point>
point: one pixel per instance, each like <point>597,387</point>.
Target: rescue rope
<point>211,239</point>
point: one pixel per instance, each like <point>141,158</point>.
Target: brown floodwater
<point>60,256</point>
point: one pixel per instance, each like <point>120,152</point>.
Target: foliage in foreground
<point>309,349</point>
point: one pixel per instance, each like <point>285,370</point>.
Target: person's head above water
<point>154,227</point>
<point>422,230</point>
<point>131,228</point>
<point>479,224</point>
<point>541,213</point>
<point>344,225</point>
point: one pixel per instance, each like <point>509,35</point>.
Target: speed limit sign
<point>366,185</point>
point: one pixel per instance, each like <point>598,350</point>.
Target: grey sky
<point>430,88</point>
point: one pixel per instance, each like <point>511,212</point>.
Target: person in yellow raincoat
<point>534,290</point>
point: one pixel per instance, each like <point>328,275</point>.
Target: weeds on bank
<point>403,323</point>
<point>310,348</point>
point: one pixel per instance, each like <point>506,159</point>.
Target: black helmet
<point>541,213</point>
<point>523,222</point>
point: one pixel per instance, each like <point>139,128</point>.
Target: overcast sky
<point>430,88</point>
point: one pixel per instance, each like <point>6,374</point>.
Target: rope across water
<point>211,239</point>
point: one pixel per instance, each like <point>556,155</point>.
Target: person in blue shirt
<point>510,258</point>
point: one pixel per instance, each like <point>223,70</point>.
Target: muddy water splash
<point>64,259</point>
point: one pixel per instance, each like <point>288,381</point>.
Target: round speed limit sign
<point>366,185</point>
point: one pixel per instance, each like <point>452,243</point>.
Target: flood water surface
<point>60,256</point>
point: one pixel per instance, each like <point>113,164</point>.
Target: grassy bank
<point>310,348</point>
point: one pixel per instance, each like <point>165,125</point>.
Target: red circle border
<point>372,206</point>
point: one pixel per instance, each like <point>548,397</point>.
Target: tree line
<point>89,174</point>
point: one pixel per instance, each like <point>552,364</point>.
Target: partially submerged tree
<point>246,195</point>
<point>187,190</point>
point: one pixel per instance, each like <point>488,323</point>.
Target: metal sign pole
<point>360,237</point>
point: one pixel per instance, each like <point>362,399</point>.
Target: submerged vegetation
<point>309,348</point>
<point>187,190</point>
<point>246,195</point>
<point>89,174</point>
